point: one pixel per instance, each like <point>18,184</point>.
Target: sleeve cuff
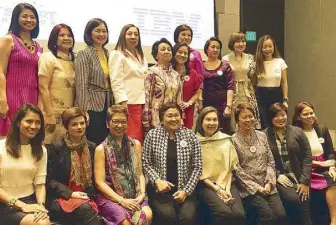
<point>40,179</point>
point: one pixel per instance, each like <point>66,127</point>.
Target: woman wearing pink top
<point>184,33</point>
<point>18,64</point>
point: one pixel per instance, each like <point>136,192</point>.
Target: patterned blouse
<point>256,163</point>
<point>189,159</point>
<point>162,86</point>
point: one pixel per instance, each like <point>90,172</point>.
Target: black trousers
<point>265,98</point>
<point>297,210</point>
<point>269,209</point>
<point>97,130</point>
<point>222,213</point>
<point>83,215</point>
<point>166,211</point>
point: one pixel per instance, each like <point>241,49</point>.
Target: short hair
<point>240,108</point>
<point>207,44</point>
<point>176,47</point>
<point>155,47</point>
<point>14,26</point>
<point>13,137</point>
<point>52,42</point>
<point>92,24</point>
<point>70,114</point>
<point>297,112</point>
<point>166,106</point>
<point>235,37</point>
<point>273,110</point>
<point>115,109</point>
<point>205,111</point>
<point>180,29</point>
<point>121,44</point>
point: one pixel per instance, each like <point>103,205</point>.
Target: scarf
<point>81,171</point>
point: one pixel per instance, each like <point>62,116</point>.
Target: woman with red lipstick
<point>323,177</point>
<point>70,183</point>
<point>218,86</point>
<point>19,64</point>
<point>270,76</point>
<point>243,67</point>
<point>162,84</point>
<point>217,190</point>
<point>23,169</point>
<point>293,162</point>
<point>128,69</point>
<point>92,80</point>
<point>184,33</point>
<point>256,174</point>
<point>57,80</point>
<point>189,78</point>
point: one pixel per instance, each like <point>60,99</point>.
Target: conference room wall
<point>310,47</point>
<point>227,20</point>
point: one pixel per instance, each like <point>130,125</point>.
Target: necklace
<point>28,46</point>
<point>251,146</point>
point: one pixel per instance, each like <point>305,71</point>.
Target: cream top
<point>315,143</point>
<point>19,175</point>
<point>127,75</point>
<point>273,69</point>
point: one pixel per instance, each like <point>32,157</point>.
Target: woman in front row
<point>323,177</point>
<point>23,169</point>
<point>293,163</point>
<point>217,189</point>
<point>172,162</point>
<point>118,174</point>
<point>256,176</point>
<point>70,169</point>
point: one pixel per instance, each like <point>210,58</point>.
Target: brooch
<point>220,73</point>
<point>321,140</point>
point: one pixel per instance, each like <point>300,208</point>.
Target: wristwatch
<point>285,99</point>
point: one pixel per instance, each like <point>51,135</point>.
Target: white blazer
<point>127,77</point>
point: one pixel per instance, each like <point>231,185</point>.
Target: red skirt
<point>134,124</point>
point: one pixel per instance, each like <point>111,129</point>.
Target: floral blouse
<point>162,86</point>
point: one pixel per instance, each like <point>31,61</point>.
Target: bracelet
<point>11,202</point>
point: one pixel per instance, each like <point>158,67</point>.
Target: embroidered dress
<point>21,80</point>
<point>61,72</point>
<point>162,86</point>
<point>122,168</point>
<point>243,68</point>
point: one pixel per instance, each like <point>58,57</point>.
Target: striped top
<point>91,92</point>
<point>21,80</point>
<point>19,175</point>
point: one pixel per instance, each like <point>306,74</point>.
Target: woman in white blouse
<point>128,68</point>
<point>271,76</point>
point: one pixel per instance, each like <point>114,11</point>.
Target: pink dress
<point>21,80</point>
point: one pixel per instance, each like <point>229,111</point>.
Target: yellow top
<point>105,66</point>
<point>219,159</point>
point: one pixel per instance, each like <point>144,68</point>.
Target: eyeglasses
<point>117,122</point>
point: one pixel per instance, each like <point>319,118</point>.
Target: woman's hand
<point>3,109</point>
<point>185,105</point>
<point>332,172</point>
<point>285,103</point>
<point>303,191</point>
<point>262,191</point>
<point>79,194</point>
<point>50,123</point>
<point>227,111</point>
<point>33,208</point>
<point>327,163</point>
<point>163,186</point>
<point>268,188</point>
<point>130,204</point>
<point>224,194</point>
<point>284,181</point>
<point>180,196</point>
<point>140,198</point>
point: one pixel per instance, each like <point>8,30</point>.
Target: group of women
<point>94,163</point>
